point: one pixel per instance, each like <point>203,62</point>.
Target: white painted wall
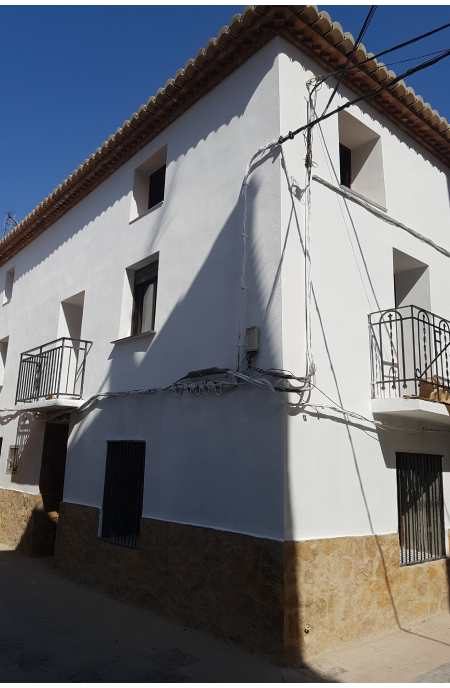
<point>341,478</point>
<point>217,461</point>
<point>242,462</point>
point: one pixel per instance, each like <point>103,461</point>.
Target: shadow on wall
<point>210,290</point>
<point>29,437</point>
<point>215,278</point>
<point>199,122</point>
<point>192,334</point>
<point>187,336</point>
<point>394,589</point>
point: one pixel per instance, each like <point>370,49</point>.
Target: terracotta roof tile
<point>311,31</point>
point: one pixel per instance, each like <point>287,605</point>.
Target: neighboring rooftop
<point>311,31</point>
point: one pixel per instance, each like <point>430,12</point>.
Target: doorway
<point>51,480</point>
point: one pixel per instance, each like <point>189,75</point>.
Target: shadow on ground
<point>53,629</point>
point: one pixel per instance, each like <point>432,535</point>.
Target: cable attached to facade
<point>366,96</point>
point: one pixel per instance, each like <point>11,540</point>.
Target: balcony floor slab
<point>50,405</point>
<point>414,409</point>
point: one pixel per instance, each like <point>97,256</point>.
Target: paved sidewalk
<point>52,629</point>
<point>419,653</point>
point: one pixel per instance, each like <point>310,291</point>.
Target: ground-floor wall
<point>224,582</point>
<point>290,599</point>
<point>211,460</point>
<point>351,588</point>
<point>341,471</point>
<point>23,431</point>
<point>24,523</point>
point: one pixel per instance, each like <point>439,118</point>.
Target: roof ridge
<point>311,31</point>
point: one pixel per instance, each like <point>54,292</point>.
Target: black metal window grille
<point>420,508</point>
<point>345,163</point>
<point>144,299</point>
<point>123,492</point>
<point>13,460</point>
<point>157,181</point>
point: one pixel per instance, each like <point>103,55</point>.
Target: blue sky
<point>70,76</point>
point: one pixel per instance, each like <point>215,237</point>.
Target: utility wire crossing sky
<point>67,86</point>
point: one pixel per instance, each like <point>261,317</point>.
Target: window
<point>345,161</point>
<point>149,184</point>
<point>156,187</point>
<point>144,299</point>
<point>3,355</point>
<point>9,282</point>
<point>411,281</point>
<point>123,492</point>
<point>420,508</point>
<point>360,159</point>
<point>13,458</point>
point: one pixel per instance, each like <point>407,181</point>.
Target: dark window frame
<point>345,165</point>
<point>156,186</point>
<point>142,279</point>
<point>420,499</point>
<point>122,503</point>
<point>12,460</point>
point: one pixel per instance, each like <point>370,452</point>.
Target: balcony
<point>52,375</point>
<point>410,364</point>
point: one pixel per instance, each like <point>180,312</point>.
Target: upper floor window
<point>360,159</point>
<point>3,355</point>
<point>345,164</point>
<point>9,283</point>
<point>144,298</point>
<point>149,185</point>
<point>157,182</point>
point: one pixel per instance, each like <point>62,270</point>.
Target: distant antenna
<point>9,223</point>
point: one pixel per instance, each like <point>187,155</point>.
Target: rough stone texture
<point>260,593</point>
<point>349,588</point>
<point>226,583</point>
<point>17,519</point>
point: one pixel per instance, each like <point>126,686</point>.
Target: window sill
<point>134,337</point>
<point>147,212</point>
<point>351,191</point>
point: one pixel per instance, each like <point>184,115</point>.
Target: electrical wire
<point>365,96</point>
<point>198,387</point>
<point>363,30</point>
<point>403,61</point>
<point>244,237</point>
<point>386,51</point>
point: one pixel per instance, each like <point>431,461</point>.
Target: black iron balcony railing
<point>410,354</point>
<point>53,370</point>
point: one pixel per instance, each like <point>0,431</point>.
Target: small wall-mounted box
<point>252,340</point>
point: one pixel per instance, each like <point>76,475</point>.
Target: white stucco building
<point>288,521</point>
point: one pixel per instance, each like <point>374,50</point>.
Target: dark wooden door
<point>53,467</point>
<point>123,492</point>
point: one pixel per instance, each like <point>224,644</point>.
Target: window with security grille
<point>13,459</point>
<point>420,508</point>
<point>123,492</point>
